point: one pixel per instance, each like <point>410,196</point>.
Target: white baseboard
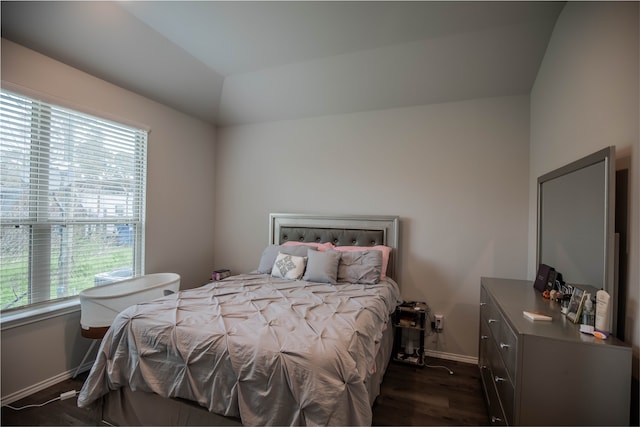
<point>28,391</point>
<point>451,356</point>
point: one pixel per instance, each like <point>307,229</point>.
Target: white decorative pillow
<point>288,266</point>
<point>271,253</point>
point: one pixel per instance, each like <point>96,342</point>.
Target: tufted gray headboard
<point>341,230</point>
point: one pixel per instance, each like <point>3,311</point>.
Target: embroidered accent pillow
<point>271,253</point>
<point>288,266</point>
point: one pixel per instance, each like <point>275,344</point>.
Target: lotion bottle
<point>602,312</point>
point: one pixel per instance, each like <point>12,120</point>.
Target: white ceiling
<point>242,62</point>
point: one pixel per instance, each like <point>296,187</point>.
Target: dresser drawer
<point>492,315</point>
<point>485,341</point>
<point>487,306</point>
<point>484,298</point>
<point>501,381</point>
<point>500,331</point>
<point>507,342</point>
<point>496,415</point>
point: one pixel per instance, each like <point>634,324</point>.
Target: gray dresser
<point>547,373</point>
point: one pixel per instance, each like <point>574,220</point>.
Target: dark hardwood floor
<point>409,396</point>
<point>58,413</point>
<point>412,396</point>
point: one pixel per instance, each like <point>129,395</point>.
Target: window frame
<point>39,310</point>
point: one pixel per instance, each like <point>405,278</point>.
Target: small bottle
<point>408,350</point>
<point>564,308</point>
<point>602,312</point>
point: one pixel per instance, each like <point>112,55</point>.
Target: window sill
<point>26,316</point>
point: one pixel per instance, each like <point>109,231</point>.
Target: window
<point>72,198</point>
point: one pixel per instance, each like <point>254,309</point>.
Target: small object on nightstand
<point>220,274</point>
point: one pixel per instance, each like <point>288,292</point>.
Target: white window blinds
<point>72,194</point>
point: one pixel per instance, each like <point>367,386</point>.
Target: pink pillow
<point>386,251</point>
<point>321,247</point>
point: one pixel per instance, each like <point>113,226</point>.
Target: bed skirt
<point>126,407</point>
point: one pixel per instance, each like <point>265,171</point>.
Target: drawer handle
<point>492,321</point>
<point>482,304</point>
<point>499,379</point>
<point>504,346</point>
<point>495,419</point>
<point>483,367</point>
<point>484,337</point>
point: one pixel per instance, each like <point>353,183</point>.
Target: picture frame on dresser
<point>575,304</point>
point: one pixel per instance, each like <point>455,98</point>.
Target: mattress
<point>265,350</point>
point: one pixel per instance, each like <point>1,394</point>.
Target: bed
<point>277,346</point>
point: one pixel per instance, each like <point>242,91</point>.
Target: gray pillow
<point>270,254</point>
<point>322,267</point>
<point>360,267</point>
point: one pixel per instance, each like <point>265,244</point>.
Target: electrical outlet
<point>439,322</point>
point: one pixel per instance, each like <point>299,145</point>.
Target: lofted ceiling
<point>236,62</point>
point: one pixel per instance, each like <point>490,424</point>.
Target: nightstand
<point>409,322</point>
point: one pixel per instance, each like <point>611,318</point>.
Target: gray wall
<point>586,97</point>
<point>180,205</point>
<point>456,174</point>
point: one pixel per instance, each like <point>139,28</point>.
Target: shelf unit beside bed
<point>409,322</point>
